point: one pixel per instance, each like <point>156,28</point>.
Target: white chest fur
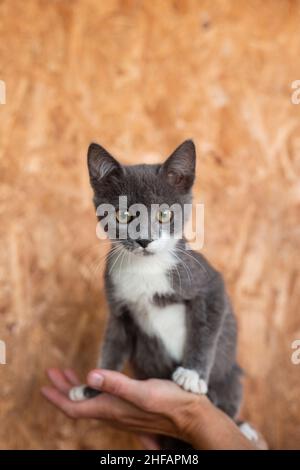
<point>136,282</point>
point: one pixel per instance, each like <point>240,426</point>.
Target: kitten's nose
<point>143,242</point>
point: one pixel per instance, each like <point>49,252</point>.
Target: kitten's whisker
<point>99,261</point>
<point>113,250</point>
<point>117,257</point>
<point>94,265</point>
<point>180,261</point>
<point>103,256</point>
<point>197,261</point>
<point>178,273</point>
<point>121,262</point>
<point>82,253</point>
<point>184,265</point>
<point>188,271</point>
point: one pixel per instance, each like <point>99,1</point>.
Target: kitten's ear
<point>179,168</point>
<point>101,164</point>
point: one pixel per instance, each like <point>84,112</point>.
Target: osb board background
<point>140,77</point>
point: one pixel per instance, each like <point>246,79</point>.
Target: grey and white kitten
<point>170,315</point>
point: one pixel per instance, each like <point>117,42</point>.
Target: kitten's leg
<point>204,323</point>
<point>226,393</point>
<point>115,350</point>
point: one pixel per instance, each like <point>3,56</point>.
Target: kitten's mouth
<point>139,248</point>
<point>139,251</point>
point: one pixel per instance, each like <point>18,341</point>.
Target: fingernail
<point>96,379</point>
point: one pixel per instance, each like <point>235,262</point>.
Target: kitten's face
<point>150,216</point>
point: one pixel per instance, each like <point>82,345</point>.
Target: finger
<point>102,407</point>
<point>60,401</point>
<point>84,409</point>
<point>71,377</point>
<point>134,391</point>
<point>59,380</point>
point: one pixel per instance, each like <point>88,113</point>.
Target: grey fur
<point>210,347</point>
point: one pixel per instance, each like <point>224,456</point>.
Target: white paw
<point>77,393</point>
<point>249,432</point>
<point>189,380</point>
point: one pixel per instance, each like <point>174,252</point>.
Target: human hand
<point>148,407</point>
<point>143,406</point>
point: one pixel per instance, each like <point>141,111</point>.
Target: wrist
<point>188,417</point>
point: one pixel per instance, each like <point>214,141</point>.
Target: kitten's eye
<point>164,216</point>
<point>123,216</point>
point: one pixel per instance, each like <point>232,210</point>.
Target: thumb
<point>117,384</point>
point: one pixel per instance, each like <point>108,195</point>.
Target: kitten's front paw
<point>189,380</point>
<point>77,393</point>
<point>82,392</point>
